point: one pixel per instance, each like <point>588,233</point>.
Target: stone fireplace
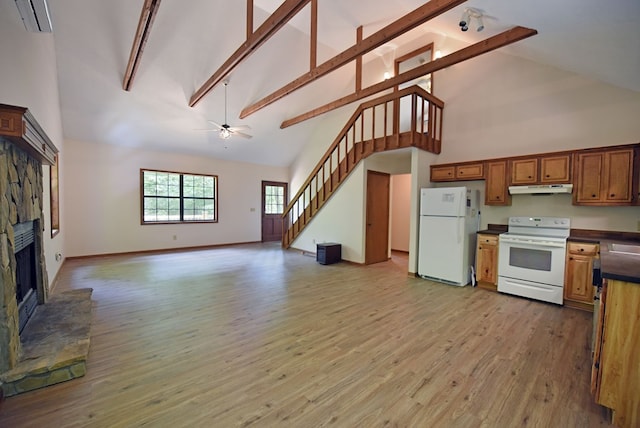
<point>44,339</point>
<point>23,277</point>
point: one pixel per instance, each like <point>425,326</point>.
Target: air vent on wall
<point>35,15</point>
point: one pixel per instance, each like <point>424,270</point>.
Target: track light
<point>464,20</point>
<point>469,14</point>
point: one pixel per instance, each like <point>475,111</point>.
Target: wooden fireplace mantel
<point>19,126</point>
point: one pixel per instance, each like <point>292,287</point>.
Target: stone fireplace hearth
<point>54,343</point>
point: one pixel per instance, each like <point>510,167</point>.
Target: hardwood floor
<point>252,335</point>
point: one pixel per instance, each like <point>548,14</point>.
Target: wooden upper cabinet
<point>524,171</point>
<point>443,173</point>
<point>541,170</point>
<point>555,169</point>
<point>473,171</point>
<point>605,177</point>
<point>496,186</point>
<point>617,181</point>
<point>470,172</point>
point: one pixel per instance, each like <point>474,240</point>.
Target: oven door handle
<point>532,243</point>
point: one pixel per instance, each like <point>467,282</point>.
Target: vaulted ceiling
<point>189,40</point>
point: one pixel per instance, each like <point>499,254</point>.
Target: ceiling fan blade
<point>216,124</point>
<point>240,134</point>
<point>240,128</point>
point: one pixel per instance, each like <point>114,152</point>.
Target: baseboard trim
<point>162,250</point>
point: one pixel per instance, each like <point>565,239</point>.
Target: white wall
<point>29,79</point>
<point>400,211</point>
<point>498,105</point>
<point>596,218</point>
<point>103,200</point>
<point>342,218</point>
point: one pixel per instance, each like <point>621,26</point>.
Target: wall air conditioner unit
<point>544,189</point>
<point>35,15</point>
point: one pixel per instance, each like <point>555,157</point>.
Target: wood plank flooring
<point>253,335</point>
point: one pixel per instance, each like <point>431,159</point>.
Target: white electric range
<point>531,258</point>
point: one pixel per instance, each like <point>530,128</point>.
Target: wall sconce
<point>468,15</point>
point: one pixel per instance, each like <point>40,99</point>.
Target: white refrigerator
<point>449,220</point>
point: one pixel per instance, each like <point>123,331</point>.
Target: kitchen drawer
<point>582,248</point>
<point>488,239</point>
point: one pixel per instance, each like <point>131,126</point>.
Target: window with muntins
<point>274,199</point>
<point>175,197</point>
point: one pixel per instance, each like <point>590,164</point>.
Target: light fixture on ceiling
<point>35,15</point>
<point>224,133</point>
<point>468,15</point>
<point>437,54</point>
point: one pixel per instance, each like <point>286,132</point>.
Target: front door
<point>274,197</point>
<point>377,232</point>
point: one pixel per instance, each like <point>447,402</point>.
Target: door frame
<point>368,238</point>
<point>263,215</point>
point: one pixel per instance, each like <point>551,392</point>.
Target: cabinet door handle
<point>613,195</point>
<point>593,196</point>
<point>581,249</point>
<point>547,176</point>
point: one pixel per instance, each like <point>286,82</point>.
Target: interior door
<point>377,232</point>
<point>274,199</point>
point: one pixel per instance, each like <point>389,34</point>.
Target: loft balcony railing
<point>410,117</point>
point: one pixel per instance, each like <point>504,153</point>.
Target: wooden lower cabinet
<point>578,278</point>
<point>616,360</point>
<point>487,261</point>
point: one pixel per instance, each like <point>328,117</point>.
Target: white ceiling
<point>191,39</point>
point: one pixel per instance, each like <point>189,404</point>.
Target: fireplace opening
<point>26,275</point>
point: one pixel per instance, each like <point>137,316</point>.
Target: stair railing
<point>410,117</point>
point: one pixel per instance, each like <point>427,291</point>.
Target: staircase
<point>410,117</point>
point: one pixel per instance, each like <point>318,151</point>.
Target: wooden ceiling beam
<point>249,18</point>
<point>503,39</point>
<point>313,37</point>
<point>287,10</point>
<point>147,16</point>
<point>408,22</point>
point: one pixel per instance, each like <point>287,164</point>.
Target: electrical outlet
<point>175,237</point>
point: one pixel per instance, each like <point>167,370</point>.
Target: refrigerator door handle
<point>460,228</point>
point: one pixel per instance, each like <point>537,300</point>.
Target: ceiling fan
<point>225,130</point>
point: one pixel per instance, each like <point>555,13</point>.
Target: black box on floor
<point>328,253</point>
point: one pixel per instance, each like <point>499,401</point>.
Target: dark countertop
<point>623,267</point>
<point>494,229</point>
<point>490,232</point>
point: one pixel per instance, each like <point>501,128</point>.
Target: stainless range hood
<point>543,189</point>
